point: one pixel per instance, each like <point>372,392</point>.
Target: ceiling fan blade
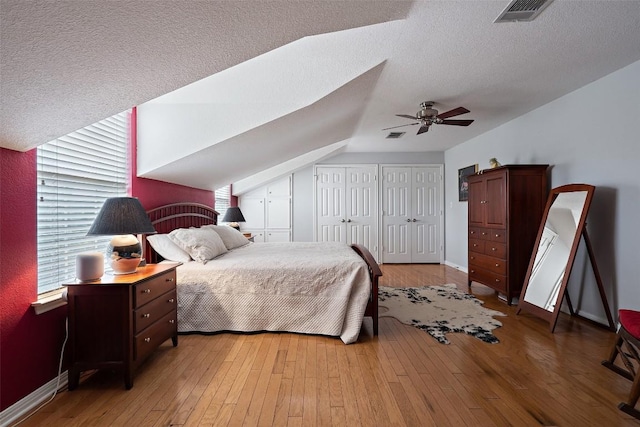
<point>456,122</point>
<point>423,129</point>
<point>454,112</point>
<point>410,124</point>
<point>406,116</point>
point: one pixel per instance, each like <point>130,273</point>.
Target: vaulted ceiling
<point>229,89</point>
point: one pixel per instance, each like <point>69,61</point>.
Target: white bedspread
<point>313,288</point>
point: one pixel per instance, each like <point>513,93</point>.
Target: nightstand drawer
<point>153,311</point>
<point>148,340</point>
<point>151,289</point>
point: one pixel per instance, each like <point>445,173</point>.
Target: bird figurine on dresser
<point>494,163</point>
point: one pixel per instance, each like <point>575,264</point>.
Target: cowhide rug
<point>439,310</point>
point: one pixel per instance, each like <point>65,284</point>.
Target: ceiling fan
<point>429,115</point>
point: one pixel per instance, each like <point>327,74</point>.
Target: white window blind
<point>76,174</point>
<point>222,200</point>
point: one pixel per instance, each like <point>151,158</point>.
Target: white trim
<point>30,402</point>
<point>456,266</point>
<point>50,300</point>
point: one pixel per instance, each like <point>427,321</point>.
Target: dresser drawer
<point>149,313</point>
<point>479,233</point>
<point>153,288</point>
<point>485,262</point>
<point>493,280</point>
<point>497,235</point>
<point>477,245</point>
<point>495,249</point>
<point>160,331</point>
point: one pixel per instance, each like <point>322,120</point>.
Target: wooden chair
<point>627,346</point>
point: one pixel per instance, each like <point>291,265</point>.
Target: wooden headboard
<point>177,215</point>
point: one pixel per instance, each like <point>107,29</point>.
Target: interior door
<point>361,207</point>
<point>330,206</point>
<point>426,245</point>
<point>396,211</point>
<point>412,214</point>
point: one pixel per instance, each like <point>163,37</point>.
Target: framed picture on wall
<point>463,184</point>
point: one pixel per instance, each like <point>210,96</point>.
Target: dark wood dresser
<point>505,209</point>
<point>118,321</point>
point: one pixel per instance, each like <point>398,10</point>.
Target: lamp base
<point>124,254</point>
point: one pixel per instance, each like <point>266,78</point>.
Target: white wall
<point>589,136</point>
<point>303,183</point>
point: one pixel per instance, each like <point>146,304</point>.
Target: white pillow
<point>231,237</point>
<point>168,250</point>
<point>201,243</point>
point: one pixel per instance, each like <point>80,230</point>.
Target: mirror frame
<point>552,317</point>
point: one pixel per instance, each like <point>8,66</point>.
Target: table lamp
<point>122,217</point>
<point>233,216</point>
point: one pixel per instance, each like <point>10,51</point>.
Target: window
<point>222,200</point>
<point>76,174</point>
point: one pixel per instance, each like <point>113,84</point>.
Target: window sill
<point>50,301</point>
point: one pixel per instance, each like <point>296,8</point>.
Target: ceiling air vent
<point>395,135</point>
<point>522,10</point>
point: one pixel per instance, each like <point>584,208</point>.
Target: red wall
<point>30,344</point>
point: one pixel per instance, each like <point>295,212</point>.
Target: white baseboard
<point>456,266</point>
<point>31,402</point>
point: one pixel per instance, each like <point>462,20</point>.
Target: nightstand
<point>117,321</point>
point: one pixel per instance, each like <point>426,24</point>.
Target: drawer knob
<point>147,340</point>
<point>473,232</point>
<point>146,291</point>
<point>497,235</point>
<point>473,271</point>
<point>484,233</point>
<point>146,315</point>
<point>493,249</point>
<point>475,244</point>
<point>171,300</point>
<point>497,280</point>
<point>170,279</point>
<point>172,321</point>
<point>497,265</point>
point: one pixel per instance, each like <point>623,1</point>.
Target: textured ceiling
<point>322,72</point>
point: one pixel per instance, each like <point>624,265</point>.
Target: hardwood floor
<point>402,377</point>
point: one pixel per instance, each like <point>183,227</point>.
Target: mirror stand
<point>603,295</point>
<point>563,224</point>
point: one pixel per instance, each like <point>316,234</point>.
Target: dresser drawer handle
<point>472,257</point>
<point>170,279</point>
<point>147,340</point>
<point>473,271</point>
<point>472,232</point>
<point>146,291</point>
<point>171,300</point>
<point>172,321</point>
<point>146,315</point>
<point>497,265</point>
<point>484,234</point>
<point>497,280</point>
<point>493,249</point>
<point>497,235</point>
<point>475,244</point>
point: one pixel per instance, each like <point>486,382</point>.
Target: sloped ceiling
<point>227,89</point>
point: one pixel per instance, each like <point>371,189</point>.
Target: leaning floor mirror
<point>563,224</point>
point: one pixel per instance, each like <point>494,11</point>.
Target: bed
<point>303,287</point>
